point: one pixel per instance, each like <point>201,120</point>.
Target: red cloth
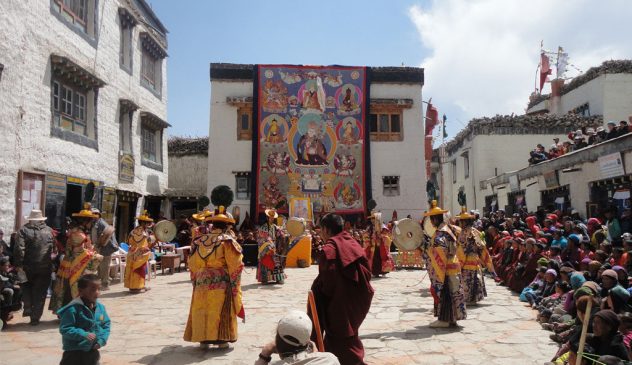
<point>545,69</point>
<point>343,294</point>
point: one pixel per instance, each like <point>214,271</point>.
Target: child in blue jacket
<point>85,325</point>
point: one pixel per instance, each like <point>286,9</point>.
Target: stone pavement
<point>147,328</point>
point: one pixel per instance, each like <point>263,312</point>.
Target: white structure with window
<point>603,90</point>
<point>72,103</point>
<point>395,124</point>
<point>488,147</point>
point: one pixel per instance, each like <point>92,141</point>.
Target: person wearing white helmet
<point>292,343</point>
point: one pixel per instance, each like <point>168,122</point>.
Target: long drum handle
<point>319,335</point>
<point>582,338</point>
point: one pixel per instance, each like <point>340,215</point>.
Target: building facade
<point>489,147</point>
<point>84,104</point>
<point>395,123</point>
<point>188,174</point>
<point>603,90</point>
<point>586,181</point>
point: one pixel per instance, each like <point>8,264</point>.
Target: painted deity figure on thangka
<point>475,257</point>
<point>310,148</point>
<point>274,96</point>
<point>444,270</point>
<point>269,267</point>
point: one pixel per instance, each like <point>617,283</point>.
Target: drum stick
<point>319,334</point>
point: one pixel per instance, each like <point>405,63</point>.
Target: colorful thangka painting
<point>311,137</point>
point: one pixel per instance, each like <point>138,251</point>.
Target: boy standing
<point>85,325</point>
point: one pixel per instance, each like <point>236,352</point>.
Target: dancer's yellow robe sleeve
<point>215,273</point>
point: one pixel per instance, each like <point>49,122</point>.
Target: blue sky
<point>333,32</point>
<point>477,63</point>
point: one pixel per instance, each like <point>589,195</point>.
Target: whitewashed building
<point>396,155</point>
<point>603,90</point>
<point>84,104</point>
<point>587,181</point>
<point>188,174</point>
<point>489,147</point>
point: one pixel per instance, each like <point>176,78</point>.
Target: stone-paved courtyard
<point>147,328</point>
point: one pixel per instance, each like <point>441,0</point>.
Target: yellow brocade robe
<point>216,269</point>
<point>137,258</point>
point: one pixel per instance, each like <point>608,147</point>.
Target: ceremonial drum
<point>429,228</point>
<point>295,226</point>
<point>407,234</point>
<point>165,231</point>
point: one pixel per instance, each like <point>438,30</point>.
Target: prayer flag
<point>545,69</point>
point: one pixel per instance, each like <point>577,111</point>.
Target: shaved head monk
<point>342,291</point>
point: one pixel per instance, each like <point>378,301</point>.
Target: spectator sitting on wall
<point>580,142</point>
<point>612,131</point>
<point>538,155</point>
<point>623,128</point>
<point>593,138</point>
<point>554,152</point>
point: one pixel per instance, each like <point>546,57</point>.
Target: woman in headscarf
<point>622,276</point>
<point>606,339</point>
<point>618,300</point>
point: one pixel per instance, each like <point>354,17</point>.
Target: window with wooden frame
<point>78,15</point>
<point>386,126</point>
<point>69,107</point>
<point>242,185</point>
<point>74,92</point>
<point>390,185</point>
<point>151,140</point>
<point>125,52</point>
<point>151,63</point>
<point>148,69</point>
<point>244,123</point>
<point>148,143</point>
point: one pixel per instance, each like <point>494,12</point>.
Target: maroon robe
<point>343,295</point>
<point>530,271</point>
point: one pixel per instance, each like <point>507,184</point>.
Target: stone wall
<point>29,34</point>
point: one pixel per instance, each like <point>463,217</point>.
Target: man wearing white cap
<point>293,344</point>
<point>32,256</point>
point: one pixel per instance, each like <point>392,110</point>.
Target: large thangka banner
<point>311,137</point>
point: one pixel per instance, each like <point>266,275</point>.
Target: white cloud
<point>483,54</point>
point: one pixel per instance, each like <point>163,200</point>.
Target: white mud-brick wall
<point>29,34</point>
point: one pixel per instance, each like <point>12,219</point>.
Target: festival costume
<point>444,271</point>
<point>137,256</point>
<point>269,267</point>
<point>476,257</point>
<point>216,303</point>
<point>79,259</point>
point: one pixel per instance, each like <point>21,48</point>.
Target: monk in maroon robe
<point>342,291</point>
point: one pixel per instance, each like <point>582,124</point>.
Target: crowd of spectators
<point>559,263</point>
<point>577,140</point>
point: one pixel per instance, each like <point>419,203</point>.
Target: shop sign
<point>611,165</point>
<point>550,179</point>
<point>126,168</point>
